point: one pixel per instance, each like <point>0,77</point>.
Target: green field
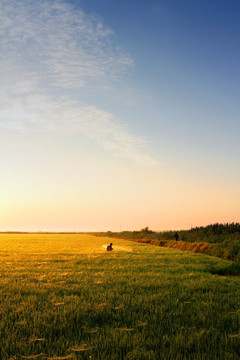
<point>64,297</point>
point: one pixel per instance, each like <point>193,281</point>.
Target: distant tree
<point>146,230</point>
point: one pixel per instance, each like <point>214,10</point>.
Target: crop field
<point>62,296</point>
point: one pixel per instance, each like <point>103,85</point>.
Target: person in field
<point>109,247</point>
<point>176,236</point>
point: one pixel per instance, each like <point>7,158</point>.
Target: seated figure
<point>109,247</point>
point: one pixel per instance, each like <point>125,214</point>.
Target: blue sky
<point>186,56</point>
<point>119,113</point>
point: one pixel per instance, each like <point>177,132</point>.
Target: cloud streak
<point>48,50</point>
<point>62,44</point>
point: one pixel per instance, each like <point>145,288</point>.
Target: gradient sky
<point>116,115</point>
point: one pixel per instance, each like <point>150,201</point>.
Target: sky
<point>117,115</point>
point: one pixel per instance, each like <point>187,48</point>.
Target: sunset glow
<point>118,117</point>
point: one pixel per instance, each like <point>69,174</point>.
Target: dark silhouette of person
<point>109,247</point>
<point>176,236</point>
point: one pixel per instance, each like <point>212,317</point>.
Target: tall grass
<point>64,296</point>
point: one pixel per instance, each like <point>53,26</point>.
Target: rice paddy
<point>63,296</point>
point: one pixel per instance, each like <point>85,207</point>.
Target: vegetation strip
<point>220,240</point>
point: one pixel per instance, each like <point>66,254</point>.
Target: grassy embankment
<point>65,297</point>
<point>221,240</point>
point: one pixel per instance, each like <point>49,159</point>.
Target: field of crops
<point>62,296</point>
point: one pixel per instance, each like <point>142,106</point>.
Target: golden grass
<point>57,244</point>
<point>112,303</point>
<point>141,323</point>
<point>35,338</point>
<point>32,356</point>
<point>186,246</point>
<point>80,348</point>
<point>70,356</point>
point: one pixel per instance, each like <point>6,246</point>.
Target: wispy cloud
<point>62,44</point>
<point>39,112</point>
<point>48,50</point>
